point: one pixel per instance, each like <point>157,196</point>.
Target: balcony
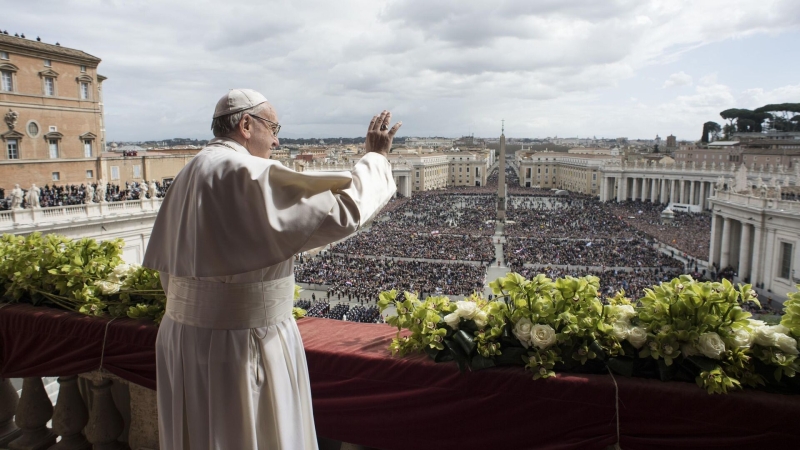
<point>361,394</point>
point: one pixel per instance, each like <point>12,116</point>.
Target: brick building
<point>51,100</point>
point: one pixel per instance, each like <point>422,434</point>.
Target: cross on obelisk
<point>501,179</point>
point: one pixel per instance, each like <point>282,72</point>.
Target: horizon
<point>574,68</point>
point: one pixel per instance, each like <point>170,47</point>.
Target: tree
<point>712,128</point>
<point>745,120</point>
<point>781,115</point>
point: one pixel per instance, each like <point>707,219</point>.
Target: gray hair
<point>224,125</point>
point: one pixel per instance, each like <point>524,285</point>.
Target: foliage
<point>682,330</point>
<point>81,275</point>
<point>712,128</point>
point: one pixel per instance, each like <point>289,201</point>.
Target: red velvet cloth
<point>363,395</point>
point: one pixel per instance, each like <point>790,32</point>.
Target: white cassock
<point>231,368</point>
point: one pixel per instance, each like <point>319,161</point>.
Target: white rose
<point>522,330</point>
<point>481,318</point>
<point>742,338</point>
<point>637,337</point>
<point>543,336</point>
<point>466,310</point>
<point>625,312</point>
<point>121,270</point>
<point>107,287</point>
<point>764,336</point>
<point>780,329</point>
<point>621,330</point>
<point>452,320</point>
<point>711,345</point>
<point>786,343</point>
<point>756,323</point>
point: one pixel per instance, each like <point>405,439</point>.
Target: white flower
<point>466,310</point>
<point>621,330</point>
<point>786,343</point>
<point>637,337</point>
<point>780,329</point>
<point>121,270</point>
<point>107,287</point>
<point>711,345</point>
<point>756,323</point>
<point>765,336</point>
<point>481,318</point>
<point>452,320</point>
<point>543,336</point>
<point>625,312</point>
<point>522,330</point>
<point>742,338</point>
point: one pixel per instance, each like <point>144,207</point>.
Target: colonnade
<point>658,190</point>
<point>739,244</point>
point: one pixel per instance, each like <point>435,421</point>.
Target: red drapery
<point>363,395</point>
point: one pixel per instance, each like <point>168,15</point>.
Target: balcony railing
<point>22,219</point>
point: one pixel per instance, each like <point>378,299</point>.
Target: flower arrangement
<point>680,330</point>
<point>82,275</point>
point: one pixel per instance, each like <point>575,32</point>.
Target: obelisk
<point>501,179</point>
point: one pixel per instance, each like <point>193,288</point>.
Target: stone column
<point>744,252</point>
<point>33,412</point>
<point>713,245</point>
<point>635,190</point>
<point>725,245</point>
<point>663,191</point>
<point>691,192</point>
<point>756,276</point>
<point>768,257</point>
<point>673,191</point>
<point>702,195</point>
<point>644,189</point>
<point>8,405</point>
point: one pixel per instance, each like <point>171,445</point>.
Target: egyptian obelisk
<point>501,179</point>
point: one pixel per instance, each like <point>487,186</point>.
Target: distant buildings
<point>51,100</point>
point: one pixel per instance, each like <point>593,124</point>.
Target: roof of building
<point>44,47</point>
<point>723,143</point>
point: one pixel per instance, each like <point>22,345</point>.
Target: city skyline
<point>618,69</point>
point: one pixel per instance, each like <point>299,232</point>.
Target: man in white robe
<point>231,368</point>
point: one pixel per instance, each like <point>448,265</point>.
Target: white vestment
<point>232,372</point>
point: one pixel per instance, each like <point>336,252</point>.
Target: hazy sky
<point>632,68</point>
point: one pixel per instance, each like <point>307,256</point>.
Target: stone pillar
<point>725,245</point>
<point>663,191</point>
<point>691,193</point>
<point>644,189</point>
<point>744,252</point>
<point>33,412</point>
<point>713,245</point>
<point>635,190</point>
<point>768,257</point>
<point>105,421</point>
<point>755,271</point>
<point>70,416</point>
<point>8,405</point>
<point>702,202</point>
<point>673,191</point>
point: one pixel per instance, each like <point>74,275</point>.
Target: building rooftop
<point>43,47</point>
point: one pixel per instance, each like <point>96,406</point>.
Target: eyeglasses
<point>276,127</point>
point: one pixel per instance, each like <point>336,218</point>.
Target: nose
<point>276,143</point>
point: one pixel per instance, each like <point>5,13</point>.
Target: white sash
<point>230,306</point>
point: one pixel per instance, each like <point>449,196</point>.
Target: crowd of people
<point>460,212</point>
<point>362,279</point>
<point>563,217</point>
<point>688,232</point>
<point>398,243</point>
<point>68,195</point>
<point>341,311</point>
<point>634,252</point>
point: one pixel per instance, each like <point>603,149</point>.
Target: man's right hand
<point>379,136</point>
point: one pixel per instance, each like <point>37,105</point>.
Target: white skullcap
<point>238,100</point>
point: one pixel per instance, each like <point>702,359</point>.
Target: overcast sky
<point>632,68</point>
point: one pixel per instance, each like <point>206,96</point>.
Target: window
<point>90,174</point>
<point>7,80</point>
<point>12,145</point>
<point>33,129</point>
<point>56,176</point>
<point>48,63</point>
<point>137,171</point>
<point>83,69</point>
<point>87,149</point>
<point>49,86</point>
<point>115,172</point>
<point>84,90</point>
<point>786,260</point>
<point>53,144</point>
<point>3,55</point>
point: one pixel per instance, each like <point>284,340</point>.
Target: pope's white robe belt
<point>230,306</point>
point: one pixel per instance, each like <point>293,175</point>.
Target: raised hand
<point>379,136</point>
